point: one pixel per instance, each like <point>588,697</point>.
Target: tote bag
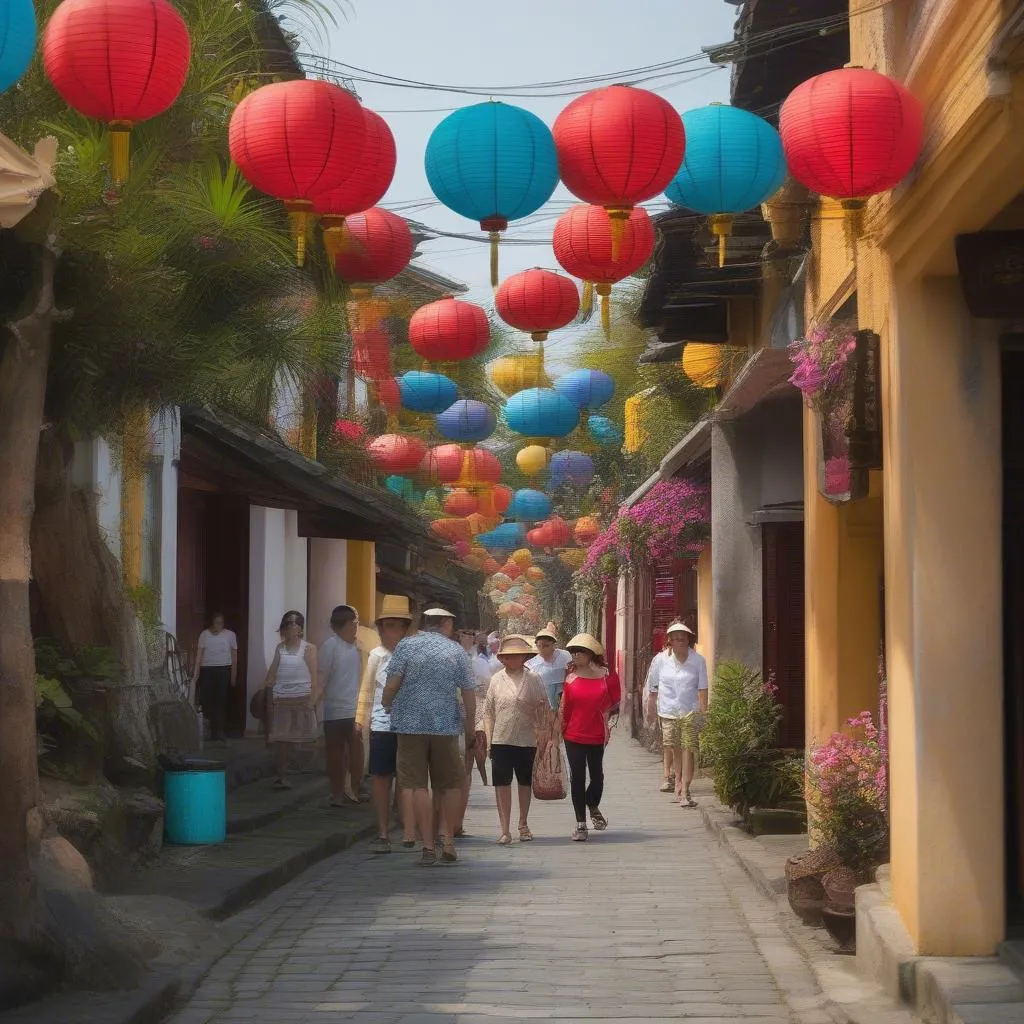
<point>549,773</point>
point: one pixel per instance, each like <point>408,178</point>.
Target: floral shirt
<point>433,669</point>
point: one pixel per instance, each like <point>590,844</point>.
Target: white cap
<point>493,638</point>
<point>678,627</point>
<point>437,613</point>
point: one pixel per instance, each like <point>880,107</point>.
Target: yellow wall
<point>361,582</point>
<point>705,610</point>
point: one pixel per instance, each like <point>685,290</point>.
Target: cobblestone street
<point>651,919</point>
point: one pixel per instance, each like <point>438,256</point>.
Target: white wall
<point>328,577</point>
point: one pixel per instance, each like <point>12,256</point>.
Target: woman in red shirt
<point>587,698</point>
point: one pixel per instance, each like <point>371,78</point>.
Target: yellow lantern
<point>532,459</point>
<point>636,432</point>
<point>522,558</point>
<point>572,558</point>
<point>516,373</point>
<point>703,364</point>
<point>535,573</point>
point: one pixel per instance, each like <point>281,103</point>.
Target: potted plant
<point>848,782</point>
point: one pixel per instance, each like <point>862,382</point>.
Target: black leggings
<point>213,685</point>
<point>585,757</point>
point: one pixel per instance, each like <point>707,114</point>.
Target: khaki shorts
<point>680,733</point>
<point>435,756</point>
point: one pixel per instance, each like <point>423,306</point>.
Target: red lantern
<point>489,566</point>
<point>364,185</point>
<point>502,498</point>
<point>511,570</point>
<point>618,146</point>
<point>460,503</point>
<point>118,61</point>
<point>442,464</point>
<point>452,530</point>
<point>448,330</point>
<point>583,246</point>
<point>294,140</point>
<point>479,468</point>
<point>349,430</point>
<point>396,453</point>
<point>373,247</point>
<point>371,354</point>
<point>388,393</point>
<point>537,301</point>
<point>851,133</point>
<point>553,533</point>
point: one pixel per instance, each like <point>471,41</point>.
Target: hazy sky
<point>489,45</point>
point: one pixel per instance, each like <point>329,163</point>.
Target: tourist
<point>426,673</point>
<point>293,697</point>
<point>586,702</point>
<point>216,672</point>
<point>340,664</point>
<point>493,643</point>
<point>677,682</point>
<point>392,625</point>
<point>551,663</point>
<point>515,709</point>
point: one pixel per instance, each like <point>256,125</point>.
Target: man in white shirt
<point>493,643</point>
<point>551,664</point>
<point>340,664</point>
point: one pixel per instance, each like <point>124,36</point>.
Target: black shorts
<point>340,729</point>
<point>383,754</point>
<point>507,761</point>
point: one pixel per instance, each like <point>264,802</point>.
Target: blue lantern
<point>575,468</point>
<point>467,420</point>
<point>604,431</point>
<point>492,163</point>
<point>401,487</point>
<point>529,505</point>
<point>734,162</point>
<point>17,40</point>
<point>541,412</point>
<point>586,389</point>
<point>426,392</point>
<point>506,537</point>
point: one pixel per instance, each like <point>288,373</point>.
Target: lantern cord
<point>606,315</point>
<point>587,300</point>
<point>495,237</point>
<point>120,141</point>
<point>298,220</point>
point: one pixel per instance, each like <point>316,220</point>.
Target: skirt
<point>292,720</point>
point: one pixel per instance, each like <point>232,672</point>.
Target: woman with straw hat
<point>677,683</point>
<point>515,707</point>
<point>586,702</point>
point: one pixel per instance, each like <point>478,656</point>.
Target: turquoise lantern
<point>586,389</point>
<point>467,420</point>
<point>426,392</point>
<point>529,505</point>
<point>17,40</point>
<point>734,162</point>
<point>492,163</point>
<point>541,413</point>
<point>402,487</point>
<point>604,431</point>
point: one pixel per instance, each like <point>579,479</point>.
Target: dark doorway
<point>783,617</point>
<point>213,576</point>
<point>1013,615</point>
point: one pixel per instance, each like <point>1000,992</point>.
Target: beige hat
<point>394,606</point>
<point>678,627</point>
<point>548,633</point>
<point>584,641</point>
<point>516,644</point>
<point>438,613</point>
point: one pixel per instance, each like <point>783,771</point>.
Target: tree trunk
<point>23,371</point>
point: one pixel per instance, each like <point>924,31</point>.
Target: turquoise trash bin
<point>195,802</point>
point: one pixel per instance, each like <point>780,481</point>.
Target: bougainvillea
<point>672,520</point>
<point>822,363</point>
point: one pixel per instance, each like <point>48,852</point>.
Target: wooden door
<point>783,624</point>
<point>191,586</point>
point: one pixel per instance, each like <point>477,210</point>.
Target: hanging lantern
<point>371,355</point>
<point>396,453</point>
<point>535,573</point>
<point>734,162</point>
<point>514,373</point>
<point>604,431</point>
<point>572,558</point>
<point>576,468</point>
<point>502,497</point>
<point>586,389</point>
<point>451,530</point>
<point>426,392</point>
<point>363,186</point>
<point>489,566</point>
<point>17,40</point>
<point>294,140</point>
<point>466,420</point>
<point>118,61</point>
<point>492,163</point>
<point>449,330</point>
<point>554,533</point>
<point>850,134</point>
<point>583,246</point>
<point>530,506</point>
<point>372,247</point>
<point>460,503</point>
<point>506,537</point>
<point>523,558</point>
<point>633,412</point>
<point>586,530</point>
<point>479,468</point>
<point>703,364</point>
<point>618,146</point>
<point>387,393</point>
<point>541,412</point>
<point>531,460</point>
<point>349,430</point>
<point>442,464</point>
<point>537,302</point>
<point>401,487</point>
<point>513,572</point>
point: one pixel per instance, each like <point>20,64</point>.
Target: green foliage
<point>53,703</point>
<point>738,742</point>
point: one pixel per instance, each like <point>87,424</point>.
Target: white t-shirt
<point>552,672</point>
<point>217,648</point>
<point>340,665</point>
<point>677,683</point>
<point>485,665</point>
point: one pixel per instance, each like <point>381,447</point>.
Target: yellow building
<point>940,524</point>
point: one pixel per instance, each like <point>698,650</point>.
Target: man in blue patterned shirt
<point>425,675</point>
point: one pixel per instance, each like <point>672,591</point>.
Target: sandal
<point>525,835</point>
<point>408,843</point>
<point>580,835</point>
<point>667,786</point>
<point>599,820</point>
<point>448,854</point>
<point>280,783</point>
<point>504,839</point>
<point>427,858</point>
<point>381,845</point>
<point>687,801</point>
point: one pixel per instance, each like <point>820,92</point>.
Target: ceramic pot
<point>841,924</point>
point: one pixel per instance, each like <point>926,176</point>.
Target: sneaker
<point>599,820</point>
<point>428,858</point>
<point>381,845</point>
<point>448,854</point>
<point>580,834</point>
<point>667,786</point>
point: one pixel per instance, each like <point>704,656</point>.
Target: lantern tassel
<point>617,216</point>
<point>120,145</point>
<point>298,220</point>
<point>853,213</point>
<point>495,237</point>
<point>605,291</point>
<point>587,301</point>
<point>721,228</point>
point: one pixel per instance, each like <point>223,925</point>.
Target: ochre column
<point>361,590</point>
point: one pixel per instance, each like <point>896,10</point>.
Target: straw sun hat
<point>548,633</point>
<point>394,606</point>
<point>585,642</point>
<point>516,645</point>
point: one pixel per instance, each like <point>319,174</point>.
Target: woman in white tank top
<point>294,693</point>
